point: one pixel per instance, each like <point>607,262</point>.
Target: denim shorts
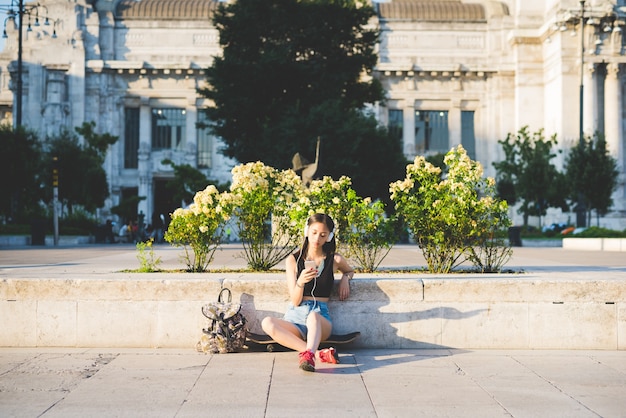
<point>298,314</point>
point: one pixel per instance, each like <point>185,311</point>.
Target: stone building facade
<point>455,72</point>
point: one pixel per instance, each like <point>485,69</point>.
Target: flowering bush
<point>370,234</point>
<point>199,228</point>
<point>449,215</point>
<point>260,196</point>
<point>334,198</point>
<point>362,230</point>
<point>490,251</point>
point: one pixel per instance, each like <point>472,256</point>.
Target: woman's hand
<point>306,276</point>
<point>344,288</point>
<point>346,275</point>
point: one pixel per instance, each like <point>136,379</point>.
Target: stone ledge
<point>24,240</point>
<point>392,311</point>
<point>595,244</point>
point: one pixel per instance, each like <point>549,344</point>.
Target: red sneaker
<point>307,361</point>
<point>328,355</point>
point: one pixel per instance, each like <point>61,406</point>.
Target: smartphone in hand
<point>309,264</point>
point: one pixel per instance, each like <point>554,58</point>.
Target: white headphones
<point>328,239</point>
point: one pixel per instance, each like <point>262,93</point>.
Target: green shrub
<point>148,262</point>
<point>451,215</point>
<point>363,232</point>
<point>77,223</point>
<point>199,228</point>
<point>15,229</point>
<point>261,196</point>
<point>598,232</point>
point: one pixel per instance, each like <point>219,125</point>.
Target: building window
<point>468,140</point>
<point>168,128</point>
<point>396,123</point>
<point>131,137</point>
<point>205,142</point>
<point>431,131</point>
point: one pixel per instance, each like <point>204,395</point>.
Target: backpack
<point>226,330</point>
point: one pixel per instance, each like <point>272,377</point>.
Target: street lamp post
<point>581,221</point>
<point>19,14</point>
<point>20,65</point>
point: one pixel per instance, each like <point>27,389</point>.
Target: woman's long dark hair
<point>328,247</point>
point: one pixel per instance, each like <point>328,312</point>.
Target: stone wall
<point>508,311</point>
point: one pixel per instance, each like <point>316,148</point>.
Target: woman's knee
<point>268,324</point>
<point>314,319</point>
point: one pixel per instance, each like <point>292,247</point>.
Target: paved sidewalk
<point>106,382</point>
<point>367,383</point>
<point>30,261</point>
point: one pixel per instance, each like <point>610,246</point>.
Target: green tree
<point>591,175</point>
<point>528,175</point>
<point>20,174</point>
<point>96,142</point>
<point>82,179</point>
<point>295,70</point>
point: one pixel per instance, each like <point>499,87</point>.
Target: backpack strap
<point>230,296</point>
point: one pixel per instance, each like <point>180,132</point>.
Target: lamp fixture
<point>16,9</point>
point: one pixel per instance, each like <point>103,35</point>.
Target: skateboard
<point>271,345</point>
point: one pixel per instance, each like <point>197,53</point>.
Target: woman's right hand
<point>306,276</point>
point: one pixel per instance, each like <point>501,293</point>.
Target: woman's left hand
<point>344,288</point>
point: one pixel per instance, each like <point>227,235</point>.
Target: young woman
<point>307,321</point>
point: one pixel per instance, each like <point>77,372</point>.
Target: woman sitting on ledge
<point>307,321</point>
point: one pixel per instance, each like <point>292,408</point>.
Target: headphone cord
<point>319,272</point>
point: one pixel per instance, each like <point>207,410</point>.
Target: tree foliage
<point>82,179</point>
<point>528,175</point>
<point>591,175</point>
<point>187,182</point>
<point>20,174</point>
<point>293,71</point>
<point>127,208</point>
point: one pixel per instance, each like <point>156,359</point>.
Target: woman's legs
<point>287,334</point>
<point>318,329</point>
<point>284,333</point>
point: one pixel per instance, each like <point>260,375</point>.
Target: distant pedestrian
<point>126,232</point>
<point>157,227</point>
<point>108,232</point>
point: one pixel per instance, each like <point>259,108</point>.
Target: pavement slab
<point>367,383</point>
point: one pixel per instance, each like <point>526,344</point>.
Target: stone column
<point>145,149</point>
<point>191,147</point>
<point>590,100</point>
<point>613,125</point>
<point>408,132</point>
<point>454,124</point>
